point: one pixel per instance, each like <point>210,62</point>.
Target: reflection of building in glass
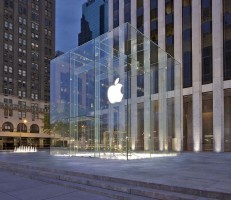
<point>94,21</point>
<point>101,128</point>
<point>198,34</point>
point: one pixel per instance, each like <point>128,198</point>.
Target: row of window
<point>7,126</point>
<point>20,103</point>
<point>21,94</point>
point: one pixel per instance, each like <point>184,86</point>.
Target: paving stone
<point>4,196</point>
<point>209,171</point>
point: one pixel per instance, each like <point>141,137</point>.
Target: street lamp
<point>24,122</point>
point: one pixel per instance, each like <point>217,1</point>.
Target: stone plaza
<point>185,176</point>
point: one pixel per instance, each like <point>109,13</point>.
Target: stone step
<point>82,187</point>
<point>138,188</point>
<point>135,193</point>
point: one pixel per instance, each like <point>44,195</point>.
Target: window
<point>5,68</point>
<point>5,79</point>
<point>8,47</point>
<point>20,30</point>
<point>10,81</point>
<point>227,39</point>
<point>10,37</point>
<point>6,24</point>
<point>7,126</point>
<point>169,26</point>
<point>187,43</point>
<point>20,19</point>
<point>10,26</point>
<point>6,35</point>
<point>154,20</point>
<point>206,41</point>
<point>115,13</point>
<point>35,16</point>
<point>21,114</point>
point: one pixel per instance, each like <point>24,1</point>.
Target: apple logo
<point>114,94</point>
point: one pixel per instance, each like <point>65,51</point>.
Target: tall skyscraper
<point>197,33</point>
<point>94,21</point>
<point>27,36</point>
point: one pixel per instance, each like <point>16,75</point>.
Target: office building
<point>197,33</point>
<point>27,36</point>
<point>94,21</point>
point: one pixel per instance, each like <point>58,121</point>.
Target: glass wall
<point>106,113</point>
<point>207,121</point>
<point>227,121</point>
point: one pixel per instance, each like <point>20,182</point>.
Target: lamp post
<point>24,122</point>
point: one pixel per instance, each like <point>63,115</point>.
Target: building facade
<point>197,33</point>
<point>94,21</point>
<point>27,45</point>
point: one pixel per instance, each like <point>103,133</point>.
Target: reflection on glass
<point>187,124</point>
<point>206,42</point>
<point>207,121</point>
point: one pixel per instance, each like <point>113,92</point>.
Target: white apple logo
<point>114,94</point>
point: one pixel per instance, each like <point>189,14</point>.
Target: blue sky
<point>68,20</point>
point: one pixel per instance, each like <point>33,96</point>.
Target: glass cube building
<point>117,96</point>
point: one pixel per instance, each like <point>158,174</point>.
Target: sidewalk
<point>207,171</point>
<point>13,187</point>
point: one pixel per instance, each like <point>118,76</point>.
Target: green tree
<point>46,122</point>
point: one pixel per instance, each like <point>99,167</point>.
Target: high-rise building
<point>197,33</point>
<point>27,32</point>
<point>94,21</point>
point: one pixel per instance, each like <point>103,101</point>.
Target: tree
<point>46,122</point>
